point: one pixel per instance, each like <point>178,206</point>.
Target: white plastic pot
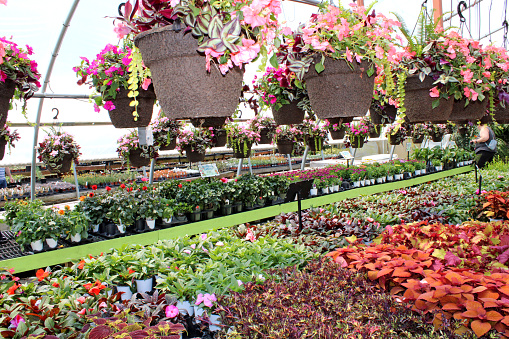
<point>390,178</point>
<point>417,172</point>
<point>185,307</point>
<point>423,171</point>
<point>76,237</point>
<point>325,190</point>
<point>167,221</point>
<point>372,181</point>
<point>121,227</point>
<point>95,228</point>
<point>356,184</point>
<point>214,319</point>
<point>144,286</point>
<point>37,245</point>
<point>151,223</point>
<point>313,191</point>
<point>367,182</point>
<point>127,292</point>
<point>336,188</point>
<point>438,168</point>
<point>379,180</point>
<point>52,243</point>
<point>198,311</point>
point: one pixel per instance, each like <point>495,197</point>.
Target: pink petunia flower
<point>171,311</point>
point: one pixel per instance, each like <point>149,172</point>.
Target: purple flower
<point>16,321</point>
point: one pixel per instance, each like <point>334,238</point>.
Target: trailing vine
<point>136,72</point>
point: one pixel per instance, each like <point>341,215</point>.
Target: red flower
<point>41,274</point>
<point>94,288</point>
<point>55,284</point>
<point>131,271</point>
<point>91,194</point>
<point>81,264</point>
<point>179,185</point>
<point>144,188</point>
<point>12,289</point>
<point>108,188</point>
<point>94,187</point>
<point>122,186</point>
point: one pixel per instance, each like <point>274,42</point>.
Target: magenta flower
<point>108,105</point>
<point>171,311</point>
<point>16,321</point>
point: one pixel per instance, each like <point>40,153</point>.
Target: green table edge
<point>60,256</point>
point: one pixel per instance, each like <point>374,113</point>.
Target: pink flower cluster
<point>16,65</point>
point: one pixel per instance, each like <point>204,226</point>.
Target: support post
<point>152,166</point>
<point>76,180</point>
<point>250,166</point>
<point>144,168</point>
<point>44,87</point>
<point>392,152</point>
<point>354,153</point>
<point>239,168</point>
<point>323,156</point>
<point>289,162</point>
<point>475,168</point>
<point>437,12</point>
<point>304,158</point>
<point>480,184</point>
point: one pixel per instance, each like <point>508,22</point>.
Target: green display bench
<point>60,256</point>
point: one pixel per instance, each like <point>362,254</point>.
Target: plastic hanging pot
<point>7,89</point>
<point>184,87</point>
<point>472,112</point>
<point>170,146</point>
<point>419,105</point>
<point>289,114</point>
<point>136,159</point>
<point>194,156</point>
<point>264,136</point>
<point>285,147</point>
<point>122,115</point>
<point>62,166</point>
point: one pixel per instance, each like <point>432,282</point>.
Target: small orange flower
<point>81,264</point>
<point>67,207</point>
<point>61,212</point>
<point>41,274</point>
<point>131,271</point>
<point>12,289</point>
<point>82,198</point>
<point>55,284</point>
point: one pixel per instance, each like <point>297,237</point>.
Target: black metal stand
<point>475,168</point>
<point>299,207</point>
<point>480,184</point>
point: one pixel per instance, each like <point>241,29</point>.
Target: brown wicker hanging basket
<point>170,146</point>
<point>3,143</point>
<point>264,136</point>
<point>241,152</point>
<point>289,114</point>
<point>221,137</point>
<point>122,115</point>
<point>357,142</point>
<point>63,166</point>
<point>474,111</point>
<point>194,156</point>
<point>419,105</point>
<point>339,90</point>
<point>285,147</point>
<point>136,160</point>
<point>7,89</point>
<point>184,88</point>
<point>315,144</point>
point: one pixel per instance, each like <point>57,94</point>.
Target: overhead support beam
<point>437,12</point>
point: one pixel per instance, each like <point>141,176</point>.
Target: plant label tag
<point>208,170</point>
<point>408,146</point>
<point>346,155</point>
<point>145,136</point>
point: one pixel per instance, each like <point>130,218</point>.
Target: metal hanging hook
<point>459,9</point>
<point>122,5</point>
<point>56,116</point>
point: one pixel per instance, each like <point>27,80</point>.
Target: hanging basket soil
<point>136,160</point>
<point>3,143</point>
<point>285,147</point>
<point>240,152</point>
<point>315,144</point>
<point>7,89</point>
<point>221,138</point>
<point>194,156</point>
<point>418,103</point>
<point>339,91</point>
<point>209,122</point>
<point>264,136</point>
<point>357,142</point>
<point>63,166</point>
<point>289,114</point>
<point>170,146</point>
<point>122,115</point>
<point>183,86</point>
<point>474,111</point>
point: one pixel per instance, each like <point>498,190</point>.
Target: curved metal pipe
<point>44,87</point>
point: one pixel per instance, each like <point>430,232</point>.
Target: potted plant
<point>136,155</point>
<point>165,132</point>
<point>108,74</point>
<point>195,142</point>
<point>497,58</point>
<point>94,208</point>
<point>396,134</point>
<point>240,139</point>
<point>223,35</point>
<point>144,266</point>
<point>279,90</point>
<point>265,126</point>
<point>357,132</point>
<point>19,77</point>
<point>122,209</point>
<point>314,133</point>
<point>7,138</point>
<point>337,129</point>
<point>58,151</point>
<point>436,132</point>
<point>73,223</point>
<point>383,109</point>
<point>285,137</point>
<point>418,132</point>
<point>30,223</point>
<point>180,209</point>
<point>374,130</point>
<point>334,42</point>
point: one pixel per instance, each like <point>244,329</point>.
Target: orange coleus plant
<point>410,274</point>
<point>495,204</point>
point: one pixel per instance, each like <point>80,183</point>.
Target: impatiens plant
<point>57,147</point>
<point>240,137</point>
<point>165,131</point>
<point>9,136</point>
<point>131,143</point>
<point>195,139</point>
<point>16,68</point>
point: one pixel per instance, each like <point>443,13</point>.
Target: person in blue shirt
<point>3,180</point>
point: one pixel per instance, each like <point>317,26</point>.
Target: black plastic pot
<point>194,216</point>
<point>345,185</point>
<point>226,209</point>
<point>179,219</point>
<point>110,229</point>
<point>140,225</point>
<point>207,214</point>
<point>238,207</point>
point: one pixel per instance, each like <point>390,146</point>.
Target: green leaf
<point>439,253</point>
<point>273,61</point>
<point>319,67</point>
<point>277,42</point>
<point>435,103</point>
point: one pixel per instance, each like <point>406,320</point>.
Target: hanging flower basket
<point>194,156</point>
<point>393,139</point>
<point>418,139</point>
<point>122,115</point>
<point>315,143</point>
<point>6,93</point>
<point>375,131</point>
<point>436,136</point>
<point>474,111</point>
<point>357,141</point>
<point>289,114</point>
<point>242,149</point>
<point>3,143</point>
<point>136,159</point>
<point>170,146</point>
<point>62,166</point>
<point>285,147</point>
<point>339,91</point>
<point>208,122</point>
<point>339,134</point>
<point>419,105</point>
<point>183,86</point>
<point>382,115</point>
<point>264,136</point>
<point>501,114</point>
<point>221,137</point>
